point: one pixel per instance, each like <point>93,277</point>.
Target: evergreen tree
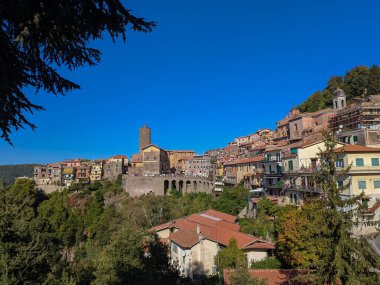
<point>345,259</point>
<point>231,256</point>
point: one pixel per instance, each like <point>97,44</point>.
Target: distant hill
<point>357,82</point>
<point>10,172</point>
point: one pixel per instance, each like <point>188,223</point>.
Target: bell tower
<point>339,99</point>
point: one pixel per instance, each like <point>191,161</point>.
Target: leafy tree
<point>232,200</point>
<point>268,263</point>
<point>297,245</point>
<point>37,36</point>
<point>356,82</point>
<point>231,256</point>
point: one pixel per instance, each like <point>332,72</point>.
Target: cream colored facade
<point>364,177</point>
<point>96,171</point>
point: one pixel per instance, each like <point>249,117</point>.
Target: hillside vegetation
<point>357,82</point>
<point>10,172</point>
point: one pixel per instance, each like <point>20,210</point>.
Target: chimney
<point>198,230</point>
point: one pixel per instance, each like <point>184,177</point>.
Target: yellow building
<point>96,171</point>
<point>364,173</point>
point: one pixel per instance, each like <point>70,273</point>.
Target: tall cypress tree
<point>346,259</point>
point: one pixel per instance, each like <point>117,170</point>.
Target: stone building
<point>55,173</point>
<point>68,176</point>
<point>200,166</point>
<point>40,174</point>
<point>248,170</point>
<point>114,167</point>
<point>155,161</point>
<point>176,158</point>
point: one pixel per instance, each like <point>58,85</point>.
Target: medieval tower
<point>145,138</point>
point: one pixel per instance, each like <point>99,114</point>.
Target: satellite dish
<point>340,127</point>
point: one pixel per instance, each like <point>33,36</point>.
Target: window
<point>359,162</point>
<point>362,184</point>
<point>376,184</point>
<point>339,163</point>
<point>375,161</point>
<point>340,184</point>
<point>355,138</point>
<point>290,165</point>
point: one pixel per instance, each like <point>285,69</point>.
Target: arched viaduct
<point>162,185</point>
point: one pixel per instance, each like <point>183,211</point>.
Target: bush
<point>268,263</point>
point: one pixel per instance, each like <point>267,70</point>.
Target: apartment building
<point>248,170</point>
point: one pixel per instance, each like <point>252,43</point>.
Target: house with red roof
<point>195,240</point>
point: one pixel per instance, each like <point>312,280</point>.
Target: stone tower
<point>339,99</point>
<point>145,139</point>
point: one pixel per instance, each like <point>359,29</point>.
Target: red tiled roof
<point>246,160</point>
<point>185,239</point>
<point>356,148</point>
<point>221,215</point>
<point>215,226</point>
<point>272,276</point>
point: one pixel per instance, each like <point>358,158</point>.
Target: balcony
<point>302,188</point>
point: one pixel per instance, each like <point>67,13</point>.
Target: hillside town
<point>277,162</point>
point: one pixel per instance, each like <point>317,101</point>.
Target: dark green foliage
<point>346,259</point>
<point>28,251</point>
<point>10,172</point>
<point>232,200</point>
<point>268,263</point>
<point>95,236</point>
<point>357,82</point>
<point>231,256</point>
<point>37,36</point>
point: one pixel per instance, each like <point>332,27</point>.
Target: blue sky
<point>212,70</point>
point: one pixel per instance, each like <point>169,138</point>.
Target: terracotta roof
<point>246,160</point>
<point>282,143</point>
<point>356,148</point>
<point>272,276</point>
<point>185,239</point>
<point>118,156</point>
<point>213,225</point>
<point>221,215</point>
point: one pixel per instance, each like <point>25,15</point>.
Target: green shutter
<point>290,165</point>
<point>359,162</point>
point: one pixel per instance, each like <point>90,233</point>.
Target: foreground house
<point>195,240</point>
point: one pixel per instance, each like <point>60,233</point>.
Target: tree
<point>29,254</point>
<point>297,246</point>
<point>346,259</point>
<point>38,36</point>
<point>231,256</point>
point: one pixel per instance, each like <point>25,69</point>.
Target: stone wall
<point>50,188</point>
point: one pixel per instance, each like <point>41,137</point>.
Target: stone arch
<point>180,186</point>
<point>166,186</point>
<point>174,185</point>
<point>195,186</point>
<point>188,186</point>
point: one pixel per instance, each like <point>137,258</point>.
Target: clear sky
<point>212,70</point>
